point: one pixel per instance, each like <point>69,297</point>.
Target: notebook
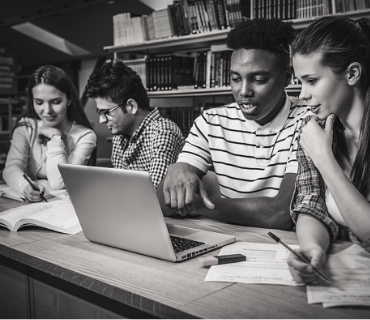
<point>120,208</point>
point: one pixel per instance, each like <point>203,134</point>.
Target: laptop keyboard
<point>181,244</point>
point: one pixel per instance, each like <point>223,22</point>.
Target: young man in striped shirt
<point>251,143</point>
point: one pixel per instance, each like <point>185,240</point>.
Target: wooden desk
<point>45,274</point>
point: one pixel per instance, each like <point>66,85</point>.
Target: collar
<point>275,124</point>
<point>151,116</point>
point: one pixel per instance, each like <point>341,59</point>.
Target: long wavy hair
<point>342,41</point>
<point>59,79</point>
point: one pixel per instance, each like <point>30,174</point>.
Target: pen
<point>231,258</point>
<point>300,257</point>
<point>34,187</point>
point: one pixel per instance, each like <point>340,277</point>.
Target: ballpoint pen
<point>34,187</point>
<point>300,257</point>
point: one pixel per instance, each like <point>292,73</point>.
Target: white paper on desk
<point>349,272</point>
<point>266,263</point>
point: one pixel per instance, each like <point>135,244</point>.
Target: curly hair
<point>118,83</point>
<point>270,34</point>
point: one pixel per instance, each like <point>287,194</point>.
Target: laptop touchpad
<point>180,231</point>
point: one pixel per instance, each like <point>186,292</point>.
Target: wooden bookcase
<point>196,97</point>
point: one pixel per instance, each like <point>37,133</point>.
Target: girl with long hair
<point>331,57</point>
<point>55,130</point>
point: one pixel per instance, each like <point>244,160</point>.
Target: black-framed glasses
<point>105,112</point>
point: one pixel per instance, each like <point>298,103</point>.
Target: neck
<point>351,119</point>
<point>64,126</point>
<point>139,117</point>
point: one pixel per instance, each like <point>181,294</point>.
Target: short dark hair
<point>117,82</point>
<point>273,35</point>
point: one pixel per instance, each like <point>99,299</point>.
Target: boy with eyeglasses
<point>142,139</point>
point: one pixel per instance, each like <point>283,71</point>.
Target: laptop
<point>120,208</point>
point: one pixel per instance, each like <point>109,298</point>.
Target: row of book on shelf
<point>185,17</point>
<point>184,70</point>
<point>184,116</point>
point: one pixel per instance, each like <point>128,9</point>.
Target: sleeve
<point>167,145</point>
<point>309,194</point>
<point>292,165</point>
<point>17,159</point>
<point>196,151</point>
<point>56,154</point>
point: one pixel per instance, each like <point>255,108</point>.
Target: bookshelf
<point>10,109</point>
<point>188,97</point>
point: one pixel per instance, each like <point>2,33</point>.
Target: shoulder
<point>164,126</point>
<point>298,109</point>
<point>78,131</point>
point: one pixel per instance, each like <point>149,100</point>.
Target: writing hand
<point>316,141</point>
<point>180,186</point>
<point>301,271</point>
<point>33,195</point>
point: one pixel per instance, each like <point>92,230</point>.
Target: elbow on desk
<point>281,220</point>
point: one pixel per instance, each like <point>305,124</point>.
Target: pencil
<point>300,257</point>
<point>34,187</point>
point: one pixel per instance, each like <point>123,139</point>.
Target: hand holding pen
<point>301,267</point>
<point>32,192</point>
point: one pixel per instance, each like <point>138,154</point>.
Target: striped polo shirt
<point>249,159</point>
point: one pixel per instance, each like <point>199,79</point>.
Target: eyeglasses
<point>105,112</point>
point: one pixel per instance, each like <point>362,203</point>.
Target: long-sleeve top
<point>38,161</point>
<point>309,198</point>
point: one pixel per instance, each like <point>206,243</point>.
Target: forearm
<point>264,212</point>
<point>311,233</point>
<point>352,205</point>
<point>56,154</point>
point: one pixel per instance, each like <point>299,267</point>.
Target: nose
<point>304,95</point>
<point>246,89</point>
<point>102,119</point>
<point>47,108</point>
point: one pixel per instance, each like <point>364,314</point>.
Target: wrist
<point>55,136</point>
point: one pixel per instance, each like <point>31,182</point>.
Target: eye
<point>235,79</point>
<point>39,103</point>
<point>57,101</point>
<point>311,81</point>
<point>260,80</point>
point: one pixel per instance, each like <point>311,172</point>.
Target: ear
<point>288,76</point>
<point>132,106</point>
<point>353,73</point>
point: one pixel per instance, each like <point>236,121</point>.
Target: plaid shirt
<point>152,148</point>
<point>309,198</point>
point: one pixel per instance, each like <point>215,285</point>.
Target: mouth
<point>314,108</point>
<point>49,118</point>
<point>247,108</point>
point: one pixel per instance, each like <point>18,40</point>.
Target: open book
<point>58,215</point>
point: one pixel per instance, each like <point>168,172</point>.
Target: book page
<point>58,215</point>
<point>266,263</point>
<point>349,272</point>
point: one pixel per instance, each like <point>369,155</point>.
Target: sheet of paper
<point>266,263</point>
<point>349,272</point>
